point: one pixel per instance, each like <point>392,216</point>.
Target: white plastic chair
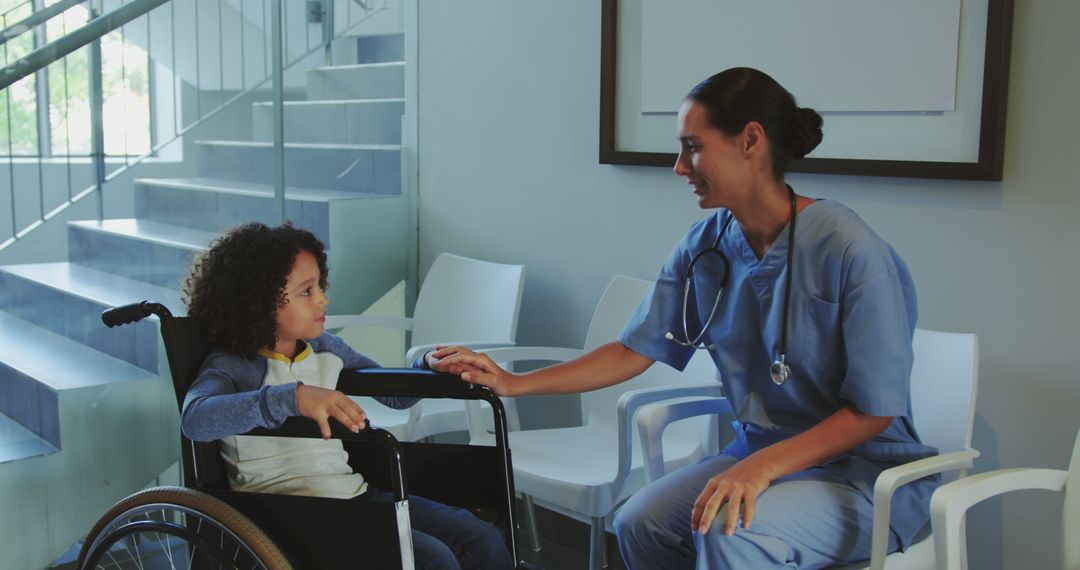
<point>585,472</point>
<point>952,501</point>
<point>462,301</point>
<point>944,380</point>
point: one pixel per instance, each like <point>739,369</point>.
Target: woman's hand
<point>477,368</point>
<point>320,404</point>
<point>738,487</point>
<point>436,359</point>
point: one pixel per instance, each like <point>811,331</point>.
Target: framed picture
<point>907,89</point>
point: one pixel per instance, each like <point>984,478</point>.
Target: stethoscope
<point>779,371</point>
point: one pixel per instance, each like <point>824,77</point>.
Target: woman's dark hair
<point>236,287</point>
<point>736,96</point>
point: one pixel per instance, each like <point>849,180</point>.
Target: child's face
<point>304,313</point>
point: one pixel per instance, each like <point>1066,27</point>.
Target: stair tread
<point>17,442</point>
<point>255,189</point>
<point>296,145</point>
<point>318,102</point>
<point>57,361</point>
<point>98,286</point>
<point>146,230</point>
<point>359,65</point>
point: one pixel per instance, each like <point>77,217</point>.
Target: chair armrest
<point>341,321</point>
<point>951,501</point>
<point>891,479</point>
<point>631,401</point>
<point>653,419</point>
<point>542,353</point>
<point>475,345</point>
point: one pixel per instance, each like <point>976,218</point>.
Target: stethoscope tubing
<point>779,371</point>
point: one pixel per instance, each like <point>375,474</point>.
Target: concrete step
<point>364,121</point>
<point>18,442</point>
<point>143,250</point>
<point>67,299</point>
<point>36,366</point>
<point>358,81</point>
<point>381,48</point>
<point>215,205</point>
<point>343,167</point>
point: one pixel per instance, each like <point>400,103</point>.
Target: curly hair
<point>235,288</point>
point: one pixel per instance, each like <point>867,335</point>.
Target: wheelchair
<point>205,524</point>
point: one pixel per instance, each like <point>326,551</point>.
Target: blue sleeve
<point>660,312</point>
<point>878,323</point>
<point>354,359</point>
<point>227,398</point>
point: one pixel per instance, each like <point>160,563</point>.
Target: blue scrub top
<point>851,319</point>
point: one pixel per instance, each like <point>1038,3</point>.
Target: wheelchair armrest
<point>419,383</point>
<point>409,383</point>
<point>298,426</point>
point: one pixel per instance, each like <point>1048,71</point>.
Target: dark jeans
<point>451,538</point>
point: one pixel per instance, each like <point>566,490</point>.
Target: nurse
<point>809,317</point>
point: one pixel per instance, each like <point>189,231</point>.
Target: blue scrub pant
<point>811,519</point>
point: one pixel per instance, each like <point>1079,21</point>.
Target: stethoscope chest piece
<point>779,371</point>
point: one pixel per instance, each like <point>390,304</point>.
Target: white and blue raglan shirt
<point>234,395</point>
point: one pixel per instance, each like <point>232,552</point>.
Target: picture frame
<point>988,165</point>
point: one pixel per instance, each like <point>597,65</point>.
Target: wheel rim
<point>168,536</point>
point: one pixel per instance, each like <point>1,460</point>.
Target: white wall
<point>508,126</point>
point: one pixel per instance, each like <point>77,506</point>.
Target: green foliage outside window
<point>125,85</point>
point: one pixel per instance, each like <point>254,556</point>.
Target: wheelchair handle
<point>134,312</point>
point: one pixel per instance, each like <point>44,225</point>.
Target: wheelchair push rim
<point>176,527</point>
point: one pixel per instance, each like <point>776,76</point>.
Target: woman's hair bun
<point>803,132</point>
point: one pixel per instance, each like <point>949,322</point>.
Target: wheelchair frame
<point>487,485</point>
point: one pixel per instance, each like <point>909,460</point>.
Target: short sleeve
<point>878,323</point>
<point>660,312</point>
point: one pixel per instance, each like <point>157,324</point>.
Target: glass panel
<point>126,86</point>
<point>125,80</point>
<point>18,103</point>
<point>69,90</point>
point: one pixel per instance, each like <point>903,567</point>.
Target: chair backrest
<point>465,299</point>
<point>616,306</point>
<point>944,381</point>
<point>1070,527</point>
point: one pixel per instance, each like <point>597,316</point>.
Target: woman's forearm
<point>836,434</point>
<point>605,366</point>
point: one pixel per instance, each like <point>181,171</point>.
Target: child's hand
<point>320,404</point>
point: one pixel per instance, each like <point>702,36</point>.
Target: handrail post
<point>328,30</point>
<point>97,123</point>
<point>279,110</point>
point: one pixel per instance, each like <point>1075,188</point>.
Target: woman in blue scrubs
<point>812,338</point>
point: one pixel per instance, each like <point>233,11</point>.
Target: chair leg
<point>530,523</point>
<point>597,556</point>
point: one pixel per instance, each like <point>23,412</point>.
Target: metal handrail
<point>90,35</point>
<point>38,17</point>
<point>93,30</point>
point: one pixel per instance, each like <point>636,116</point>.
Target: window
<point>64,95</point>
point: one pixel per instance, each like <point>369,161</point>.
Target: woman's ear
<point>753,137</point>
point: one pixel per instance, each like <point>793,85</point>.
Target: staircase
<point>87,414</point>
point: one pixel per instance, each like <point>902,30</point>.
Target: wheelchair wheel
<point>176,527</point>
